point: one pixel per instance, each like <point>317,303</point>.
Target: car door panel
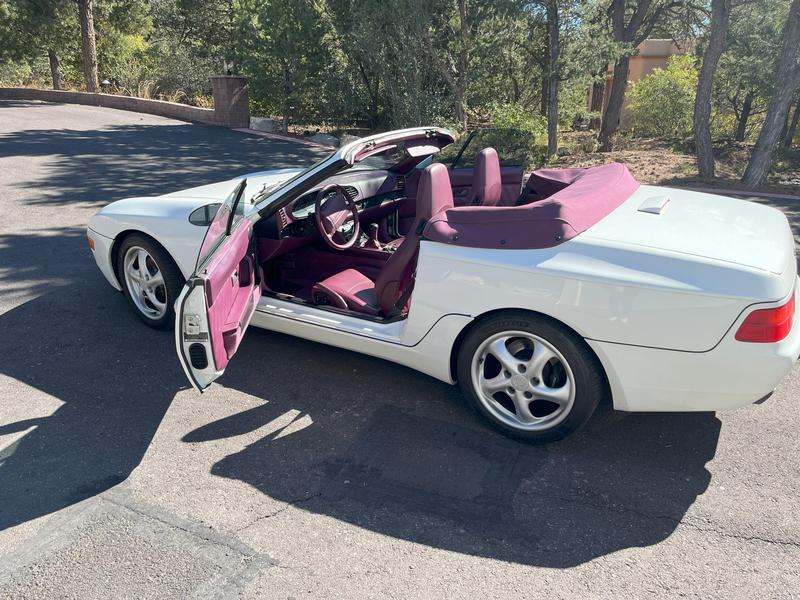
<point>461,182</point>
<point>216,306</point>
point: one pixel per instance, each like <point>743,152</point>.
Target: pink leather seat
<point>487,186</point>
<point>352,290</point>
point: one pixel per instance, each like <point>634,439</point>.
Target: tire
<point>153,301</point>
<point>543,387</point>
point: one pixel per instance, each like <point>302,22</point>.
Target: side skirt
<point>430,355</point>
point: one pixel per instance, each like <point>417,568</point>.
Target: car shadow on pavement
<point>396,452</point>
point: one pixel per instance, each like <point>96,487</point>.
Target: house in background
<point>651,54</point>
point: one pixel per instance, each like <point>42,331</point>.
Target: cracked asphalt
<point>312,472</point>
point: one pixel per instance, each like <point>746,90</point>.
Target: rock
<point>264,124</point>
<point>325,139</point>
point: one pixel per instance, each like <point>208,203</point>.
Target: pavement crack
<point>203,532</point>
<point>287,506</point>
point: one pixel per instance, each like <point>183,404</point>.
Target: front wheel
<point>530,377</point>
<point>150,280</point>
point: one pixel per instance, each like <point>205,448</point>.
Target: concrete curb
<point>287,138</point>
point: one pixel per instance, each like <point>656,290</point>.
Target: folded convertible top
<point>565,202</point>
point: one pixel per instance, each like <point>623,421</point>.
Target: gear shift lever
<point>372,237</point>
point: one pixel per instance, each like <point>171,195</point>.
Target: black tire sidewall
<point>589,379</point>
<point>173,280</point>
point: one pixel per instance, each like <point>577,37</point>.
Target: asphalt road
<point>312,472</point>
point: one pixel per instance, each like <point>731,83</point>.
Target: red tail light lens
<point>768,324</point>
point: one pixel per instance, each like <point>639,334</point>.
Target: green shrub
<point>514,116</point>
<point>661,104</point>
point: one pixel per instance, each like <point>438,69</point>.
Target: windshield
<point>228,214</point>
<point>396,157</point>
<point>269,189</point>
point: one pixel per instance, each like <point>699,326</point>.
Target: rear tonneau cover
<point>713,227</point>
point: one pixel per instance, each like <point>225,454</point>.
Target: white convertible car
<point>537,299</point>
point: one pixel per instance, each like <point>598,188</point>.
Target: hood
<point>179,204</point>
<point>707,226</point>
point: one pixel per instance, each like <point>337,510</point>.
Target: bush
<point>513,116</point>
<point>661,104</point>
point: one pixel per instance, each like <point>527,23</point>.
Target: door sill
<point>296,309</point>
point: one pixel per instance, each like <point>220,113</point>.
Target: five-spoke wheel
<point>531,377</point>
<point>150,279</point>
<point>145,282</point>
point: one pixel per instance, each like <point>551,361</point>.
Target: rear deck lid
<point>704,225</point>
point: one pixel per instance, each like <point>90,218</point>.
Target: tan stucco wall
<point>651,54</point>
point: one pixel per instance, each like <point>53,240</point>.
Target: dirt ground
<point>656,161</point>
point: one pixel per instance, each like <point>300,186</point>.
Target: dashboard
<point>376,194</point>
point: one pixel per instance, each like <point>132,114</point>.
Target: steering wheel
<point>337,210</point>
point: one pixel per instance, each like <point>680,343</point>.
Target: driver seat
<point>352,290</point>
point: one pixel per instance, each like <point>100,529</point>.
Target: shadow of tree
<point>99,166</point>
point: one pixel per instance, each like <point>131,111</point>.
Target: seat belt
<point>401,301</point>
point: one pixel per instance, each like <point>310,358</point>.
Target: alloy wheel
<point>145,282</point>
<point>523,380</point>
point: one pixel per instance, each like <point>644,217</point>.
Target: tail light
<point>767,324</point>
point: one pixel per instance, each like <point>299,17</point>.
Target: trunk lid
<point>713,227</point>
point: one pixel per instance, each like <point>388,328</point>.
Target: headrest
<point>434,193</point>
<point>487,188</point>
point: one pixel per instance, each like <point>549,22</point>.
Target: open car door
<point>217,303</point>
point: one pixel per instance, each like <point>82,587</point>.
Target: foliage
<point>747,68</point>
<point>661,104</point>
<point>514,116</point>
<point>373,64</point>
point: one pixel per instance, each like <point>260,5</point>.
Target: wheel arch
<point>121,237</point>
<point>492,313</point>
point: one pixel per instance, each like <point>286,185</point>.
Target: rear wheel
<point>150,280</point>
<point>530,377</point>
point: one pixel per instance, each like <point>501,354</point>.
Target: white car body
<point>658,296</point>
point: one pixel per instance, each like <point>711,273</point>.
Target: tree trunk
<point>598,91</point>
<point>596,106</point>
<point>787,80</point>
<point>741,126</point>
<point>544,96</point>
<point>89,46</point>
<point>287,92</point>
<point>460,105</point>
<point>613,110</point>
<point>462,78</point>
<point>792,130</point>
<point>553,77</point>
<point>720,17</point>
<point>55,69</point>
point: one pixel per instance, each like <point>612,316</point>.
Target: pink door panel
<point>231,292</point>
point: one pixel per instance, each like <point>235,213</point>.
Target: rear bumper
<point>102,256</point>
<point>731,375</point>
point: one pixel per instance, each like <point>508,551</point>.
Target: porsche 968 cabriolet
<point>538,299</point>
